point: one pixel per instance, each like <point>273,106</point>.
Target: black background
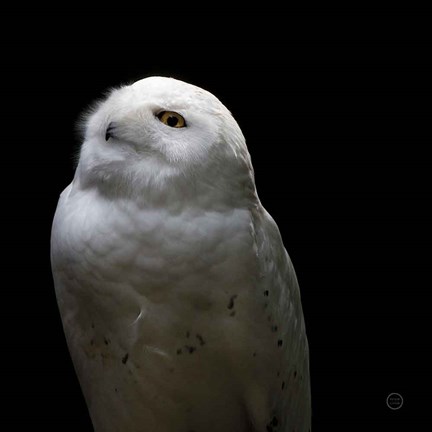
<point>336,113</point>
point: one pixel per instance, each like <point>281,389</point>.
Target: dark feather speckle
<point>190,349</point>
<point>200,339</point>
<point>231,301</point>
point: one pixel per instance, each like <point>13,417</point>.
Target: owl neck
<point>152,185</point>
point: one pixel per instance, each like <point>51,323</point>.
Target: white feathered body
<point>179,302</point>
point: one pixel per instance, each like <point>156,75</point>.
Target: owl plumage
<point>180,305</point>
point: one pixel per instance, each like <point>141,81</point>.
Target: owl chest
<point>148,248</point>
<point>149,272</point>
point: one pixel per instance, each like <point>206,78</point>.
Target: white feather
<point>179,302</point>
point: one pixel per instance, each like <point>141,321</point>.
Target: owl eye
<point>172,119</point>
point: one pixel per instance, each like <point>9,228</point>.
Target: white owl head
<point>159,129</point>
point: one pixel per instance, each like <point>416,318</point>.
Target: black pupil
<point>172,121</point>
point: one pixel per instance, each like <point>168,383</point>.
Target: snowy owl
<point>180,305</point>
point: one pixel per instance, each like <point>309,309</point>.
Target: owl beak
<point>109,132</point>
